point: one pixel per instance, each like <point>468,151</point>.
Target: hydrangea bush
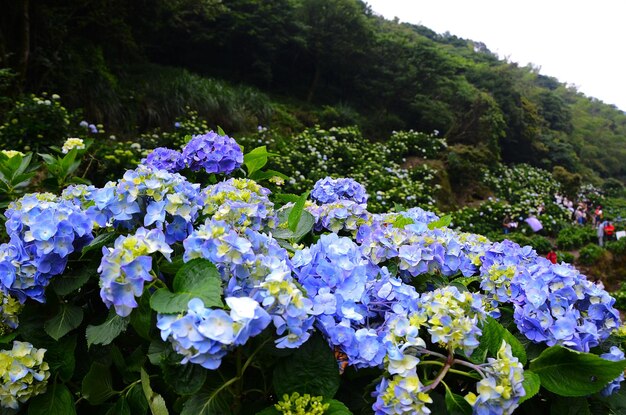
<point>155,294</point>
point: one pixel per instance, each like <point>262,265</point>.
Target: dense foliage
<point>156,293</point>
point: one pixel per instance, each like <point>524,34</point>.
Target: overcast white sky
<point>578,42</point>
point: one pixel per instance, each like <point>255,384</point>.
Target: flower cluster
<point>342,215</point>
<point>23,374</point>
<point>44,231</point>
<point>301,405</point>
<point>150,198</point>
<point>204,336</point>
<point>9,311</point>
<point>554,303</point>
<point>127,266</point>
<point>162,158</point>
<point>499,392</point>
<point>73,144</point>
<point>213,153</point>
<point>253,264</point>
<point>330,190</point>
<point>401,395</point>
<point>242,203</point>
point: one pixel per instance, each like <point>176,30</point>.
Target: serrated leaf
<point>68,283</point>
<point>207,403</point>
<point>56,401</point>
<point>255,159</point>
<point>305,225</point>
<point>456,404</point>
<point>68,318</point>
<point>184,379</point>
<point>156,403</point>
<point>99,241</point>
<point>106,332</point>
<point>570,373</point>
<point>296,212</point>
<point>141,317</point>
<point>531,384</point>
<point>312,368</point>
<point>336,407</point>
<point>441,223</point>
<point>60,356</point>
<point>97,385</point>
<point>121,407</point>
<point>137,401</point>
<point>171,268</point>
<point>198,278</point>
<point>491,340</point>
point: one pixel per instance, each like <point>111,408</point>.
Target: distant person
<point>580,216</point>
<point>506,224</point>
<point>609,231</point>
<point>598,215</point>
<point>600,233</point>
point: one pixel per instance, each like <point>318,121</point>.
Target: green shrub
<point>564,257</point>
<point>34,123</point>
<point>590,254</point>
<point>617,247</point>
<point>540,244</point>
<point>573,237</point>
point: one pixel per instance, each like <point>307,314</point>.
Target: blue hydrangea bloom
<point>213,153</point>
<point>162,158</point>
<point>329,190</point>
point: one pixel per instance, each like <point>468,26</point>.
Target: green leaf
<point>531,384</point>
<point>441,223</point>
<point>60,356</point>
<point>155,401</point>
<point>312,368</point>
<point>68,283</point>
<point>7,338</point>
<point>402,221</point>
<point>141,317</point>
<point>466,280</point>
<point>196,279</point>
<point>491,340</point>
<point>296,212</point>
<point>56,401</point>
<point>570,373</point>
<point>184,379</point>
<point>456,404</point>
<point>336,407</point>
<point>100,241</point>
<point>171,267</point>
<point>286,197</point>
<point>267,174</point>
<point>270,410</point>
<point>306,223</point>
<point>68,318</point>
<point>220,131</point>
<point>106,332</point>
<point>137,401</point>
<point>97,384</point>
<point>569,406</point>
<point>121,407</point>
<point>207,403</point>
<point>256,159</point>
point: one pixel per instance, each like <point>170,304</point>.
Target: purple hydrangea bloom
<point>214,153</point>
<point>163,158</point>
<point>329,190</point>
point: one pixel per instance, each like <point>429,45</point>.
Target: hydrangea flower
<point>401,395</point>
<point>11,153</point>
<point>73,144</point>
<point>163,158</point>
<point>339,216</point>
<point>302,405</point>
<point>329,190</point>
<point>499,392</point>
<point>23,374</point>
<point>44,231</point>
<point>127,266</point>
<point>204,336</point>
<point>9,311</point>
<point>150,198</point>
<point>242,203</point>
<point>213,153</point>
